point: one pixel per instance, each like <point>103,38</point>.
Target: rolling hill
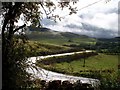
<point>46,35</point>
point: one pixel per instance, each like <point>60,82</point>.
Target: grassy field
<point>100,64</point>
<point>100,61</point>
<point>34,48</point>
<point>67,41</point>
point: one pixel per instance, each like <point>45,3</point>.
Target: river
<point>49,75</point>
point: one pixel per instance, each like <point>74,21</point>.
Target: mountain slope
<point>46,35</point>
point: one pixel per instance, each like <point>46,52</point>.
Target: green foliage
<point>108,46</point>
<point>110,83</point>
<point>15,65</point>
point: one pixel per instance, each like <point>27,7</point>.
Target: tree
<point>13,51</point>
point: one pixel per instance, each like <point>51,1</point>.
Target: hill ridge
<point>66,34</point>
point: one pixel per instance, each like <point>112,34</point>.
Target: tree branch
<point>19,28</point>
<point>43,8</point>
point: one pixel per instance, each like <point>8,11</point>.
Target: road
<point>49,75</point>
<point>55,55</point>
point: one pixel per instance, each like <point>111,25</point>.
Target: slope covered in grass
<point>45,35</point>
<point>34,48</point>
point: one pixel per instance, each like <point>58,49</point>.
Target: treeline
<point>67,58</point>
<point>108,47</point>
<point>100,46</point>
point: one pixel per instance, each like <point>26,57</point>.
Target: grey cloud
<point>47,22</point>
<point>114,10</point>
<point>86,16</point>
<point>73,26</point>
<point>92,31</point>
<point>86,26</point>
<point>98,34</point>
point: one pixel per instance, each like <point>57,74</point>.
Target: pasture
<point>99,64</point>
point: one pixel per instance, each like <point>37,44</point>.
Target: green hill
<point>46,35</point>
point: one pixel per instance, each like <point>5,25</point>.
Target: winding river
<point>49,75</point>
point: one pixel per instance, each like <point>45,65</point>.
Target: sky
<point>98,20</point>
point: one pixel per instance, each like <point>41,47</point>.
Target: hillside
<point>46,35</point>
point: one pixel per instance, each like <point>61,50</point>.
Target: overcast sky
<point>98,20</point>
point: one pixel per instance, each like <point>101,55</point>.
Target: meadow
<point>100,61</point>
<point>96,66</point>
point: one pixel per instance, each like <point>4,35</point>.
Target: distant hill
<point>116,39</point>
<point>47,35</point>
<point>47,31</point>
<point>43,29</point>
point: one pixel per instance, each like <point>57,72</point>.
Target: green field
<point>101,63</point>
<point>35,48</point>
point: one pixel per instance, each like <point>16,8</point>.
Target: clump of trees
<point>107,46</point>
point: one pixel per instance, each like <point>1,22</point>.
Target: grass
<point>60,38</point>
<point>102,67</point>
<point>34,48</point>
<point>101,63</point>
<point>62,41</point>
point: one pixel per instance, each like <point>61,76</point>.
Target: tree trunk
<point>7,46</point>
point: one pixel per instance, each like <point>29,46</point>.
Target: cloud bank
<point>99,20</point>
